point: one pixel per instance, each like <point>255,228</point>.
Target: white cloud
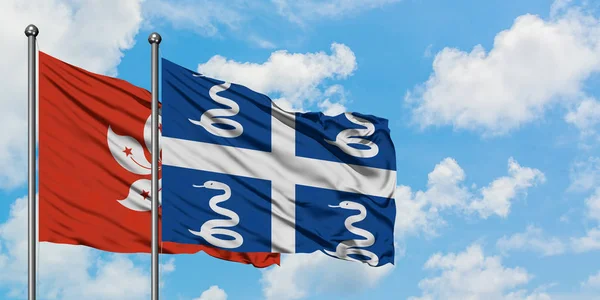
<point>472,275</point>
<point>532,239</point>
<point>444,188</point>
<point>414,214</point>
<point>532,66</point>
<point>201,16</point>
<point>427,53</point>
<point>261,42</point>
<point>69,30</point>
<point>496,197</point>
<point>168,266</point>
<point>301,11</point>
<point>585,175</point>
<point>334,102</point>
<point>590,242</point>
<point>294,77</point>
<point>66,271</point>
<point>213,293</point>
<point>592,204</point>
<point>523,295</point>
<point>302,275</point>
<point>592,282</point>
<point>420,211</point>
<point>331,109</point>
<point>216,18</point>
<point>586,117</point>
<point>559,6</point>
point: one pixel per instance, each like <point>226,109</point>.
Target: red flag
<point>94,165</point>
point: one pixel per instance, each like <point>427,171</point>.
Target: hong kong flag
<point>94,165</point>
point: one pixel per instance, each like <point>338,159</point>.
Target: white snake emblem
<point>208,229</point>
<point>218,115</point>
<point>355,136</point>
<point>348,247</point>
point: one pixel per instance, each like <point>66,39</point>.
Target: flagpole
<point>154,39</point>
<point>31,32</point>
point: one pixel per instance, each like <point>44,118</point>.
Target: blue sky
<point>493,113</point>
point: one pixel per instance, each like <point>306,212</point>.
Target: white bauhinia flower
<point>129,153</point>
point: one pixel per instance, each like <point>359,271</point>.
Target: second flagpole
<point>154,39</point>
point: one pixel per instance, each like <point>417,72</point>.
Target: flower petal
<point>128,152</point>
<point>136,201</point>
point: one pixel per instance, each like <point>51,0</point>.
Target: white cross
<point>283,168</point>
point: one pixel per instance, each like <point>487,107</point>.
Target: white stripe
<point>297,170</point>
<point>283,169</point>
<point>283,191</point>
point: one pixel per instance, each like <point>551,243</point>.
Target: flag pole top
<point>32,30</point>
<point>154,38</point>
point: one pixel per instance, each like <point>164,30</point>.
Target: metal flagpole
<point>31,32</point>
<point>154,40</point>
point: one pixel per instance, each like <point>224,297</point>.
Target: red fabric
<point>80,181</point>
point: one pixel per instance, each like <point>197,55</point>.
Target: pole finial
<point>31,30</point>
<point>154,38</point>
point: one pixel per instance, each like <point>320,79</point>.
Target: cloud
<point>559,6</point>
<point>213,293</point>
<point>301,275</point>
<point>261,42</point>
<point>200,16</point>
<point>592,282</point>
<point>585,175</point>
<point>66,271</point>
<point>532,66</point>
<point>496,197</point>
<point>523,295</point>
<point>168,266</point>
<point>334,101</point>
<point>301,11</point>
<point>592,204</point>
<point>427,53</point>
<point>420,211</point>
<point>532,239</point>
<point>586,117</point>
<point>415,214</point>
<point>331,109</point>
<point>69,30</point>
<point>472,275</point>
<point>589,242</point>
<point>294,77</point>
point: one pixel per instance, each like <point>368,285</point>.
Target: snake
<point>219,115</point>
<point>349,136</point>
<point>210,228</point>
<point>348,247</point>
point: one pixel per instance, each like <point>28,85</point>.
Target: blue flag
<point>241,174</point>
